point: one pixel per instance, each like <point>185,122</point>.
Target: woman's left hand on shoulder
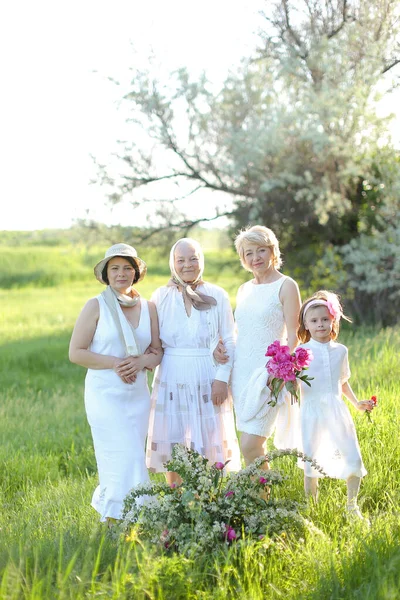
<point>219,392</point>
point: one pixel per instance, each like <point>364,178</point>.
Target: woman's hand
<point>219,392</point>
<point>269,386</point>
<point>128,379</point>
<point>158,352</point>
<point>220,354</point>
<point>129,367</point>
<point>125,378</point>
<point>151,350</point>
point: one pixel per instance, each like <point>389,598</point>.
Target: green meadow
<point>51,543</point>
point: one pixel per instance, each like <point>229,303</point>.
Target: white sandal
<point>354,513</point>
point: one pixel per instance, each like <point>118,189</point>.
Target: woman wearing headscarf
<point>190,403</point>
<point>110,338</point>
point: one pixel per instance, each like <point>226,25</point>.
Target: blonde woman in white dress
<point>110,337</point>
<point>190,403</point>
<point>267,309</point>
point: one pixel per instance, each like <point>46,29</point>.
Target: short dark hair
<point>130,260</point>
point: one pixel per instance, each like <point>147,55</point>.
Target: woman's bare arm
<point>131,365</point>
<point>82,337</point>
<point>291,303</point>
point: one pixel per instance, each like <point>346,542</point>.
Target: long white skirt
<point>182,411</point>
<point>118,415</point>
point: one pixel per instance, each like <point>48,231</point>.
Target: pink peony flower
<point>229,494</point>
<point>230,533</point>
<point>303,358</point>
<point>165,533</point>
<point>219,466</point>
<point>273,348</point>
<point>272,367</point>
<point>173,485</point>
<point>283,370</point>
<point>286,372</point>
<point>283,356</point>
<point>263,480</point>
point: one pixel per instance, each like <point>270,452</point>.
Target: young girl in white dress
<point>328,432</point>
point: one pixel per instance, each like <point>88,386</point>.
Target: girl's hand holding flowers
<point>369,406</point>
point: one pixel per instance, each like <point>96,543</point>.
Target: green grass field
<point>51,544</point>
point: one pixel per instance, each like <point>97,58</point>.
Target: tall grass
<point>51,544</point>
<point>41,266</point>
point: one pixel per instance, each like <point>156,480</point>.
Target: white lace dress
<point>328,432</point>
<point>259,322</point>
<point>182,410</point>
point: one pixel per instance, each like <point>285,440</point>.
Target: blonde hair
<point>258,234</point>
<point>302,333</point>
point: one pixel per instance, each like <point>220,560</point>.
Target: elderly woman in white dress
<point>267,309</point>
<point>110,338</point>
<point>190,403</point>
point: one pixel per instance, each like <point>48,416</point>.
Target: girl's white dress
<point>182,410</point>
<point>328,432</point>
<point>259,322</point>
<point>118,414</point>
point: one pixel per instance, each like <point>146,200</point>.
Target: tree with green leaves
<point>291,136</point>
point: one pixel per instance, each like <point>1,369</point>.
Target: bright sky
<point>55,111</point>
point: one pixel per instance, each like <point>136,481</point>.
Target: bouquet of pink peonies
<point>285,367</point>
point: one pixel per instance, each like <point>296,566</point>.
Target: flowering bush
<point>285,367</point>
<point>209,508</point>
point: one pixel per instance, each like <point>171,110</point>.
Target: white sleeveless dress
<point>259,322</point>
<point>118,414</point>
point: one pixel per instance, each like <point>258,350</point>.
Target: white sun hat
<point>123,250</point>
